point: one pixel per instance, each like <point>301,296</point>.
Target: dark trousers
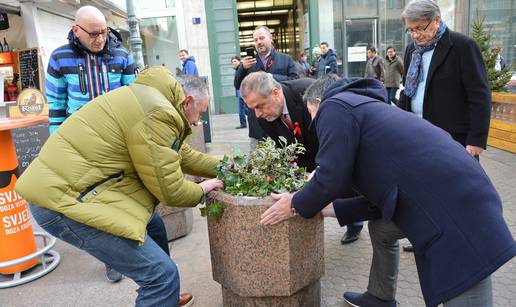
<point>242,112</point>
<point>391,94</point>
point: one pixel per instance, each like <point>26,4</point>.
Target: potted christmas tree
<point>502,132</point>
<point>259,265</point>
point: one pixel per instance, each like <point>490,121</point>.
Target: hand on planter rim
<point>280,211</point>
<point>210,184</point>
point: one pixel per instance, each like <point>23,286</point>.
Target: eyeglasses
<point>418,31</point>
<point>6,177</point>
<point>95,34</point>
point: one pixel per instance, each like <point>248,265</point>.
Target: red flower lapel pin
<point>297,129</point>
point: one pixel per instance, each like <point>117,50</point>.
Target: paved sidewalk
<point>80,279</point>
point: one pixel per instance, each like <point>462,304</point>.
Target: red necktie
<point>293,127</point>
<point>287,121</point>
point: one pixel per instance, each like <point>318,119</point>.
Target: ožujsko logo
<point>31,102</point>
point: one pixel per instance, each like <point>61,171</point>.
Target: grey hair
<point>258,82</point>
<point>317,89</point>
<point>265,28</point>
<point>417,10</point>
<point>194,86</point>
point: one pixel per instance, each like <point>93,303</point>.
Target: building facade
<point>350,26</point>
<point>215,30</point>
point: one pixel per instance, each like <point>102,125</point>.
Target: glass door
<point>360,35</point>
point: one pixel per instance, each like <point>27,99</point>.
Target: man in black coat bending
<point>280,111</point>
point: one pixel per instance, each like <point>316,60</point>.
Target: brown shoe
<point>186,299</point>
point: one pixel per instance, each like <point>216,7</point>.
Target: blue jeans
<point>158,233</point>
<point>391,94</point>
<point>242,111</point>
<point>148,265</point>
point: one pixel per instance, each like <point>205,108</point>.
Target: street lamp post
<point>135,42</point>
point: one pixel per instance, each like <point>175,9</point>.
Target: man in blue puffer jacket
<point>328,63</point>
<point>189,67</point>
<point>91,64</point>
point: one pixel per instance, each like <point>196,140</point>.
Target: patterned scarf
<point>415,71</point>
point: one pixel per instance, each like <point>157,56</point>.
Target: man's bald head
<point>88,13</point>
<point>90,28</point>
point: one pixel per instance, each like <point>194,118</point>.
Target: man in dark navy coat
<point>416,181</point>
<point>281,111</point>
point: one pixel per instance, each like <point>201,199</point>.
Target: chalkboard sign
<point>28,142</point>
<point>29,68</point>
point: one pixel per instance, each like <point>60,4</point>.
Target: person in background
<point>242,108</point>
<point>374,65</point>
<point>188,61</point>
<point>97,180</point>
<point>279,65</point>
<point>328,64</point>
<point>446,81</point>
<point>302,64</point>
<point>91,64</point>
<point>316,60</point>
<point>393,73</point>
<point>500,61</point>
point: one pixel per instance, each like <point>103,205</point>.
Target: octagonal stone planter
<point>257,265</point>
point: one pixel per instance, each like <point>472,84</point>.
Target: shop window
<point>391,27</point>
<point>160,42</point>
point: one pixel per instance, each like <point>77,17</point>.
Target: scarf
<point>415,71</point>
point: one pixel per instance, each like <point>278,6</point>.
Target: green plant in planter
<point>268,169</point>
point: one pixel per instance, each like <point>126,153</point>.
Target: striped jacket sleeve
<point>56,94</point>
<point>130,69</point>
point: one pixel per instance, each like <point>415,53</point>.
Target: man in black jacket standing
<point>445,78</point>
<point>280,65</point>
<point>281,111</point>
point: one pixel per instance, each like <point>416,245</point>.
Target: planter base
<point>309,296</point>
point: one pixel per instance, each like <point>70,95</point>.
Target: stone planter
<point>257,265</point>
<point>179,221</point>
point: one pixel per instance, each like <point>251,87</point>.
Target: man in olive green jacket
<point>97,179</point>
<point>393,72</point>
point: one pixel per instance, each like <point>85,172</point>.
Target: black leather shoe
<point>113,275</point>
<point>241,127</point>
<point>408,248</point>
<point>366,300</point>
<point>350,237</point>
